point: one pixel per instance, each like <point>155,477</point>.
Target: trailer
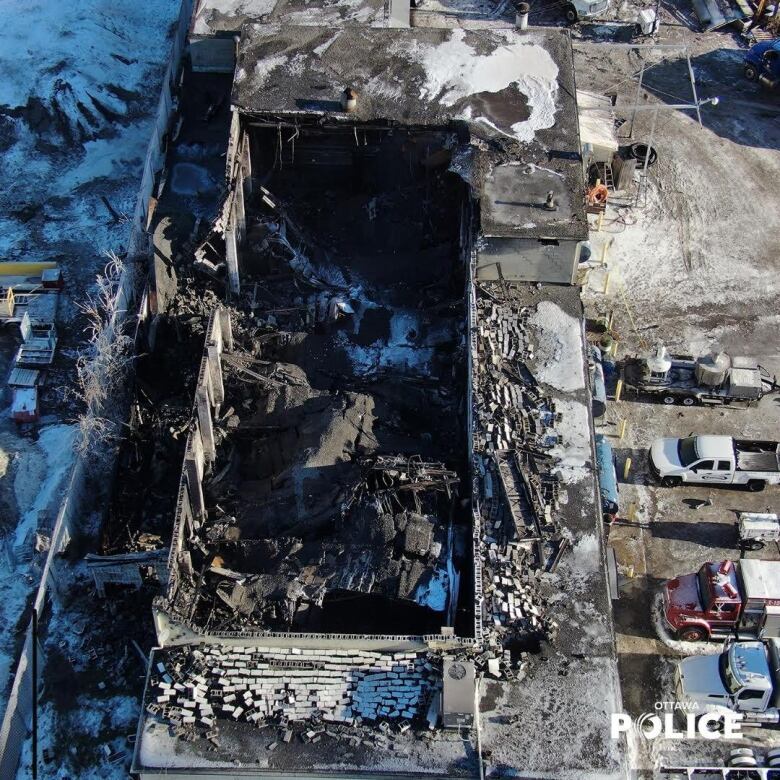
<point>756,529</point>
<point>715,379</point>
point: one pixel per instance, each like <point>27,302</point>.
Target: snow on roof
<point>502,79</point>
<point>597,120</point>
<point>228,16</point>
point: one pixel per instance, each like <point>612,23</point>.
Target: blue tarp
<point>608,484</point>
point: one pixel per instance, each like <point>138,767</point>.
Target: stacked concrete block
<point>197,687</point>
<point>514,430</point>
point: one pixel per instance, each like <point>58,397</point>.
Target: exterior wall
<point>528,260</point>
<point>213,54</point>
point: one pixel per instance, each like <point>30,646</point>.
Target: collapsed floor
<point>337,501</point>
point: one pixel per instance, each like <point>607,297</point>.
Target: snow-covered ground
<point>79,86</point>
<point>79,83</point>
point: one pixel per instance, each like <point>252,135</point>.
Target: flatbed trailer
<point>745,383</point>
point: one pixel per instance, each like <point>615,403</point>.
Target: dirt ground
<point>695,264</point>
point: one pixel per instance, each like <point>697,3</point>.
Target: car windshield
<point>726,676</point>
<point>686,451</point>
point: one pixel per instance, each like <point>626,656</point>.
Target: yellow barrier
<point>25,269</point>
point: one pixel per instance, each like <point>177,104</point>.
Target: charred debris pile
<point>337,500</point>
<point>516,425</point>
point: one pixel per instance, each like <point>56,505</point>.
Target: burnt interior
<point>339,498</point>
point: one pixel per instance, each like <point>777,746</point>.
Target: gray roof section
<point>514,84</point>
<point>514,88</point>
<point>217,17</point>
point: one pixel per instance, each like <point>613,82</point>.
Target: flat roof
<point>514,196</point>
<point>514,85</point>
<point>760,578</point>
<point>514,88</point>
<point>216,17</point>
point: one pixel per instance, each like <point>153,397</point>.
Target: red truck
<point>727,597</point>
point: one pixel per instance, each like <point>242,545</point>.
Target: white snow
<point>558,348</point>
<point>41,471</point>
<point>454,71</point>
<point>323,47</point>
<point>73,60</point>
<point>572,453</point>
<point>266,66</point>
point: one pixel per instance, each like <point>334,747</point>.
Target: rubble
<point>195,688</point>
<point>514,434</point>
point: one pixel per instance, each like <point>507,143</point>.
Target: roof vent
<point>550,204</point>
<point>349,99</point>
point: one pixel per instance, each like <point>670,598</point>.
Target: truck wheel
<point>756,485</point>
<point>688,401</point>
<point>751,72</point>
<point>572,17</point>
<point>753,545</point>
<point>668,399</point>
<point>671,481</point>
<point>692,634</point>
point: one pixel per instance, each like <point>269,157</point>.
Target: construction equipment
<point>715,379</point>
<point>762,63</point>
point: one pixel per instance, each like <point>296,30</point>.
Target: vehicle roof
<point>749,664</point>
<point>714,446</point>
<point>761,579</point>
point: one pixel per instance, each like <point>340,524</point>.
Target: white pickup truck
<point>716,460</point>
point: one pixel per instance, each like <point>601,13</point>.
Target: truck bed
<point>757,455</point>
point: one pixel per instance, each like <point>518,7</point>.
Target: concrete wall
<point>528,260</point>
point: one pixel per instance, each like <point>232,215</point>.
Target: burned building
<point>388,473</point>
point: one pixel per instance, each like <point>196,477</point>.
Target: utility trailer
<point>756,529</point>
<point>715,379</point>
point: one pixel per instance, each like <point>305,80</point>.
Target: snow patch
<point>558,348</point>
<point>454,71</point>
<point>573,451</point>
<point>433,592</point>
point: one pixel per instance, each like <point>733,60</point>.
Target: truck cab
<point>740,598</point>
<point>762,63</point>
<point>693,459</point>
<point>698,605</point>
<point>739,679</point>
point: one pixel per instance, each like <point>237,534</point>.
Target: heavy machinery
<point>762,63</point>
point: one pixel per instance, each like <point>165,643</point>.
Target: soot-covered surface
<point>339,493</point>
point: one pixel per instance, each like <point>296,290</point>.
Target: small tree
<point>101,366</point>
